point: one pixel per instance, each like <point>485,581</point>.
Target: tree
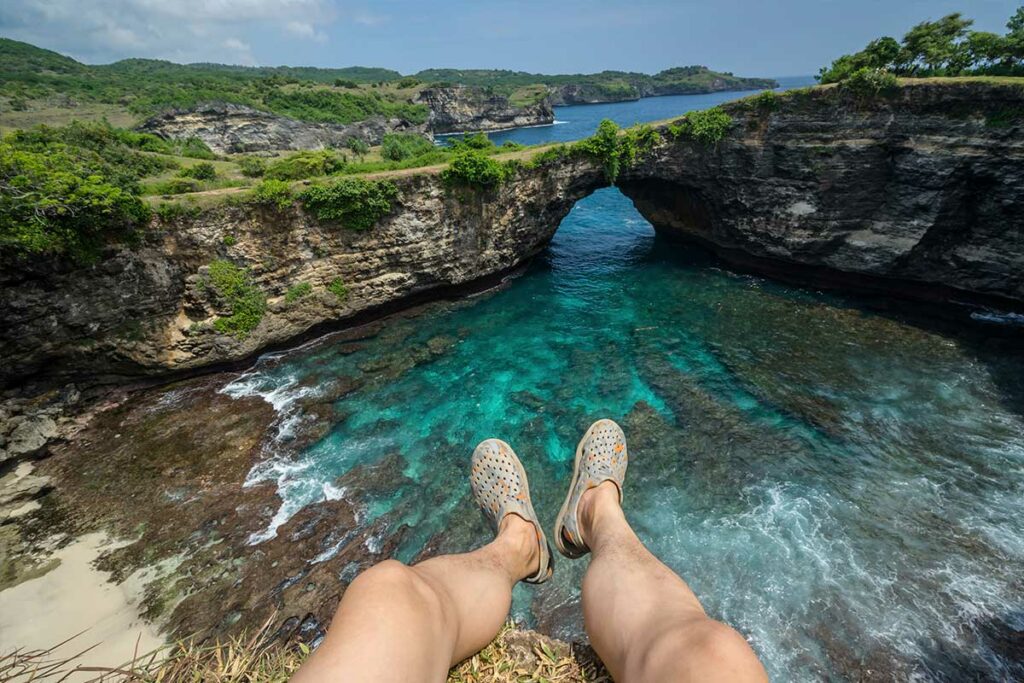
<point>939,45</point>
<point>357,146</point>
<point>986,48</point>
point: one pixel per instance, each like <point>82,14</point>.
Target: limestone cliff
<point>916,194</point>
<point>143,310</point>
<point>231,128</point>
<point>459,108</point>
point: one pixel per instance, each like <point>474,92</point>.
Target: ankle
<point>519,539</point>
<point>596,505</point>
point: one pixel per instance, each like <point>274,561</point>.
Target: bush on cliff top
<point>234,286</point>
<point>474,168</point>
<point>356,203</point>
<point>707,126</point>
<point>276,193</point>
<point>401,146</point>
<point>65,200</point>
<point>305,164</point>
<point>616,149</point>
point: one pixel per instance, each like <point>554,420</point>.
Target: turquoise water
<point>845,488</point>
<point>579,121</point>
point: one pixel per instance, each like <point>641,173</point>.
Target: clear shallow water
<point>579,121</point>
<point>845,488</point>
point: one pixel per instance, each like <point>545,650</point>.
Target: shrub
<point>296,292</point>
<point>174,186</point>
<point>235,288</point>
<point>338,289</point>
<point>64,201</point>
<point>478,141</point>
<point>603,146</point>
<point>551,154</point>
<point>171,211</point>
<point>357,146</point>
<point>707,126</point>
<point>764,102</point>
<point>868,83</point>
<point>229,241</point>
<point>344,83</point>
<point>356,203</point>
<point>204,170</point>
<point>408,82</point>
<point>305,164</point>
<point>636,142</point>
<point>473,168</point>
<point>252,167</point>
<point>399,146</point>
<point>272,193</point>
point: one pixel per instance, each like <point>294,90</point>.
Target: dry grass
<point>515,656</point>
<point>254,658</point>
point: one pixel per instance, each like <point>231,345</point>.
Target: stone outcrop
<point>917,194</point>
<point>460,108</point>
<point>144,310</point>
<point>647,86</point>
<point>231,128</point>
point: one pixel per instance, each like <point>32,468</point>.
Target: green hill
<point>42,86</point>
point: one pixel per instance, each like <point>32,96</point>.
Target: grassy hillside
<point>42,86</point>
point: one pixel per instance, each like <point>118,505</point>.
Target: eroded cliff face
<point>919,194</point>
<point>462,108</point>
<point>234,128</point>
<point>145,310</point>
<point>915,195</point>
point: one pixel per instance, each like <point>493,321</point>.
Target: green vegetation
<point>474,168</point>
<point>356,203</point>
<point>305,164</point>
<point>869,83</point>
<point>522,88</point>
<point>201,171</point>
<point>145,86</point>
<point>707,126</point>
<point>276,193</point>
<point>339,107</point>
<point>338,289</point>
<point>401,146</point>
<point>69,191</point>
<point>360,148</point>
<point>296,292</point>
<point>234,287</point>
<point>603,145</point>
<point>614,148</point>
<point>172,211</point>
<point>252,167</point>
<point>937,48</point>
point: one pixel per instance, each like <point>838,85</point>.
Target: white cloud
<point>368,19</point>
<point>180,30</point>
<point>304,29</point>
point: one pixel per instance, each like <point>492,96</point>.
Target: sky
<point>746,37</point>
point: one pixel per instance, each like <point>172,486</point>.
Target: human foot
<point>502,491</point>
<point>601,456</point>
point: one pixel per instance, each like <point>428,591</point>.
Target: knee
<point>706,650</point>
<point>399,584</point>
<point>389,575</point>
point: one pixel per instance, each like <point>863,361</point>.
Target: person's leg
<point>401,623</point>
<point>643,620</point>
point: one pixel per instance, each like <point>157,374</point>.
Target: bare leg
<point>400,623</point>
<point>643,620</point>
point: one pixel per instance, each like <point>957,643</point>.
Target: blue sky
<point>748,37</point>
